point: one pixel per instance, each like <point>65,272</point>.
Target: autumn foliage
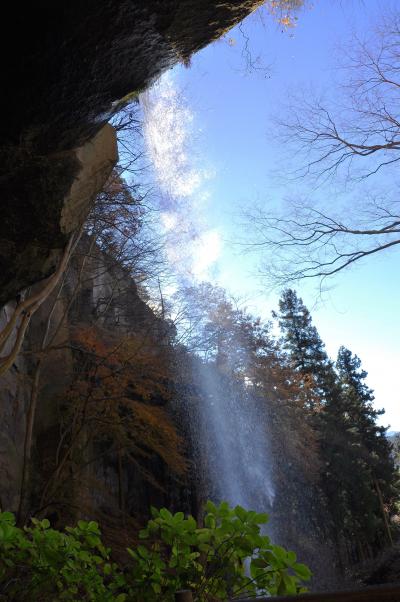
<point>116,409</point>
<point>120,389</point>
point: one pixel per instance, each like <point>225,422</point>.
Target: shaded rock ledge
<point>68,67</point>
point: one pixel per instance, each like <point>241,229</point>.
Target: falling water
<point>232,441</point>
<point>227,425</point>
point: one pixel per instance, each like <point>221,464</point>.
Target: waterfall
<point>226,411</point>
<point>231,438</point>
<point>228,426</point>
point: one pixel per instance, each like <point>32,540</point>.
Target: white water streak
<point>170,133</point>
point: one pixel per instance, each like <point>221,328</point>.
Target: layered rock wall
<point>104,296</point>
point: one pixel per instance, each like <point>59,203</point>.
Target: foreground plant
<point>40,563</point>
<point>228,557</point>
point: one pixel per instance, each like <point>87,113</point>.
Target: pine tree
<point>374,449</point>
<point>316,383</point>
<point>306,351</point>
<point>357,471</point>
<point>358,476</point>
<point>358,399</point>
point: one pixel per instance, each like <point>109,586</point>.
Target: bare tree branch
<point>364,124</point>
<point>308,243</point>
<point>357,136</point>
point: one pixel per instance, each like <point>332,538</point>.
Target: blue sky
<point>211,130</point>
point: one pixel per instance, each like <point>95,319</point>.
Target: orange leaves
<point>121,384</point>
<point>156,431</point>
<point>283,11</point>
<point>89,340</point>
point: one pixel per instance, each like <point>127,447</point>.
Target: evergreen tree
<point>374,449</point>
<point>358,399</point>
<point>358,476</point>
<point>357,470</point>
<point>316,384</point>
<point>306,351</point>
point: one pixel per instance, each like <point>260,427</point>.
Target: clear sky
<point>210,128</point>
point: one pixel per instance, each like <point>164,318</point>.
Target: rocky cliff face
<point>47,199</point>
<point>69,67</point>
<point>110,488</point>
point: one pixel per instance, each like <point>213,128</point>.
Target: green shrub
<point>40,563</point>
<point>228,557</point>
<point>212,561</point>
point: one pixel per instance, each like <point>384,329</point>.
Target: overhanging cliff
<point>69,67</point>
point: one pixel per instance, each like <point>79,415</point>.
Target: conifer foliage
<point>357,475</point>
<point>305,351</point>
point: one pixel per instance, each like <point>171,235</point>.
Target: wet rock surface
<point>68,67</point>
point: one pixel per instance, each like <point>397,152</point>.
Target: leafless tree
<point>356,137</point>
<point>123,223</point>
<point>284,15</point>
<point>309,243</point>
<point>112,246</point>
<point>363,121</point>
<point>128,123</point>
